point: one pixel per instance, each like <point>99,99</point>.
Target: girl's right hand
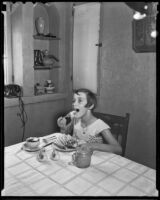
<point>61,121</point>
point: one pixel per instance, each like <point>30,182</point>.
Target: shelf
<point>35,99</point>
<point>43,37</point>
<point>47,49</point>
<point>38,67</point>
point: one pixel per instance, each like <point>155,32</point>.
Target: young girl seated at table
<point>85,127</point>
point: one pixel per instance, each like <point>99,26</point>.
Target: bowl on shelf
<point>49,89</point>
<point>48,61</point>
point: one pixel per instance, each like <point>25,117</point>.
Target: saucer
<point>27,148</point>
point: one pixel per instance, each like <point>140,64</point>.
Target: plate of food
<point>62,142</point>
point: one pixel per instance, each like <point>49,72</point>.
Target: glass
<point>82,157</point>
<point>42,155</point>
<point>55,154</point>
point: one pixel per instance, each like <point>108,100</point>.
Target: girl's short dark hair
<point>91,97</point>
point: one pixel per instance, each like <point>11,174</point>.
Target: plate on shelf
<point>27,148</point>
<point>43,67</point>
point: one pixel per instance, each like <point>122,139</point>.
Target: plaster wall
<point>128,82</point>
<point>41,116</point>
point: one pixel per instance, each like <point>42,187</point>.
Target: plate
<point>59,139</point>
<point>26,148</point>
<point>64,150</point>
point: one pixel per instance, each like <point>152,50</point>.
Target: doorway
<point>85,45</point>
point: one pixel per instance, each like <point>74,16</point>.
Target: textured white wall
<point>128,82</point>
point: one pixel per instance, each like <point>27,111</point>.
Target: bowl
<point>49,89</point>
<point>48,61</point>
<point>32,142</point>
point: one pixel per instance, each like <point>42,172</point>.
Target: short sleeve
<point>101,125</point>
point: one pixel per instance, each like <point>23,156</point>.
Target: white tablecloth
<point>108,175</point>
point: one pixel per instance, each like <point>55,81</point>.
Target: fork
<point>46,140</point>
<point>49,138</point>
<point>59,146</point>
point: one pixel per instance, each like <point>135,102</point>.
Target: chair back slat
<point>119,126</point>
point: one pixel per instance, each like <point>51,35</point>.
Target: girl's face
<point>79,103</point>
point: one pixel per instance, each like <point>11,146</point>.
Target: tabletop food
<point>67,140</point>
<point>64,142</point>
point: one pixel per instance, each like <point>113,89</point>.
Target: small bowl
<point>32,142</point>
<point>49,89</point>
<point>48,61</point>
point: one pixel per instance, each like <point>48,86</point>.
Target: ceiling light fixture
<point>153,18</point>
<point>138,16</point>
<point>143,10</point>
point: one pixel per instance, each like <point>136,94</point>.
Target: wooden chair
<point>119,126</point>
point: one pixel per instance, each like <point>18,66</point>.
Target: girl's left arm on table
<point>111,144</point>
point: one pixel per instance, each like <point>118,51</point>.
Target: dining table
<point>109,174</point>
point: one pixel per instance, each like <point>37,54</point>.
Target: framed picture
<point>142,40</point>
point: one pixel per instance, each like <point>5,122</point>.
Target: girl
<point>88,129</point>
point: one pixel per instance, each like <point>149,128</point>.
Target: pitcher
<point>82,157</point>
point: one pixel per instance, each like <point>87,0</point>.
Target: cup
<point>54,155</point>
<point>42,155</point>
<point>32,142</point>
<point>82,157</point>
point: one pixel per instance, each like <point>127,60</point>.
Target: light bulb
<point>138,16</point>
<point>145,7</point>
<point>154,34</point>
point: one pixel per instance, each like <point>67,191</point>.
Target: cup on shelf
<point>49,87</point>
